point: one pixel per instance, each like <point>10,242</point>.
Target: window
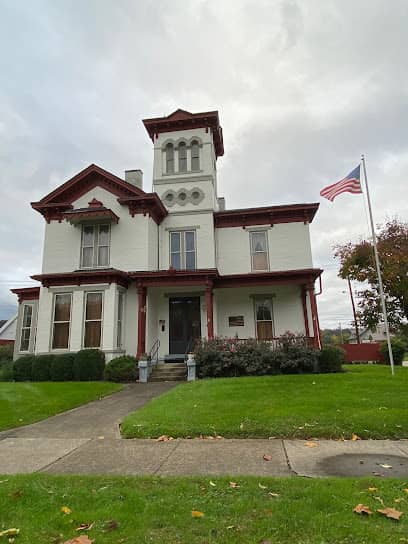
<point>119,334</point>
<point>95,246</point>
<point>195,156</point>
<point>26,327</point>
<point>259,251</point>
<point>62,320</point>
<point>182,157</point>
<point>183,250</point>
<point>93,320</point>
<point>169,159</point>
<point>264,319</point>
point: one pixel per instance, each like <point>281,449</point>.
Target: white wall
<point>287,310</point>
<point>289,248</point>
<point>203,224</point>
<point>132,245</point>
<point>8,330</point>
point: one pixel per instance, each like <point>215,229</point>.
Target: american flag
<point>349,184</point>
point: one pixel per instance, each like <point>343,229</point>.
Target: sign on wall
<point>236,321</point>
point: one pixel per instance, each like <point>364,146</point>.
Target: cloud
<point>302,88</point>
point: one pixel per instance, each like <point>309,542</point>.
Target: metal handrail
<point>154,352</point>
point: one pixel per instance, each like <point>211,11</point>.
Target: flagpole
<point>377,264</point>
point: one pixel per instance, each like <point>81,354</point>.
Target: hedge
<point>122,369</point>
<point>89,365</point>
<point>62,367</point>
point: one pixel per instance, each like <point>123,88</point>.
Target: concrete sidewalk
<point>372,458</point>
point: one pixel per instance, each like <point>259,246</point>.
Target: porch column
<point>315,319</point>
<point>209,304</point>
<point>141,321</point>
<point>305,316</point>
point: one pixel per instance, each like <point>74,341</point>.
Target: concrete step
<point>156,379</point>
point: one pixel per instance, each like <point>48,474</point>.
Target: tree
<point>357,263</point>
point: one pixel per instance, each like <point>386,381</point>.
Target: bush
<point>298,359</point>
<point>398,347</point>
<point>40,370</point>
<point>6,352</point>
<point>331,358</point>
<point>122,369</point>
<point>6,371</point>
<point>62,367</point>
<point>89,365</point>
<point>22,368</point>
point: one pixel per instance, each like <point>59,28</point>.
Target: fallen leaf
<point>406,490</point>
<point>66,510</point>
<point>262,486</point>
<point>3,481</point>
<point>17,494</point>
<point>83,539</point>
<point>213,484</point>
<point>399,500</point>
<point>311,444</point>
<point>10,532</point>
<point>241,426</point>
<point>379,499</point>
<point>273,494</point>
<point>362,509</point>
<point>355,437</point>
<point>234,485</point>
<point>267,457</point>
<point>230,526</point>
<point>111,525</point>
<point>197,514</point>
<point>372,489</point>
<point>164,438</point>
<point>391,513</point>
<point>101,438</point>
<point>386,466</point>
<point>84,527</point>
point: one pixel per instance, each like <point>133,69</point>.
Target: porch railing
<point>154,352</point>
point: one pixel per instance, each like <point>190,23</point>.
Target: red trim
<point>269,215</point>
<point>27,293</point>
<point>53,205</point>
<point>209,301</point>
<point>285,277</point>
<point>141,321</point>
<point>184,120</point>
<point>81,277</point>
<point>164,278</point>
<point>148,204</point>
<point>305,314</point>
<point>6,342</point>
<point>76,216</point>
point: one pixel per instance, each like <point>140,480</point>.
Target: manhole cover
<point>371,464</point>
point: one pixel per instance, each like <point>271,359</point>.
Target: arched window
<point>169,159</point>
<point>195,156</point>
<point>182,157</point>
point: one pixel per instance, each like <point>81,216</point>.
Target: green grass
<point>158,510</point>
<point>24,403</point>
<point>365,400</point>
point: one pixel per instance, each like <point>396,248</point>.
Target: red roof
<point>184,120</point>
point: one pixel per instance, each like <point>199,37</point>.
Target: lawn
<point>23,403</point>
<point>365,400</point>
<point>157,510</point>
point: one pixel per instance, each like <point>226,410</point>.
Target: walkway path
<point>86,440</point>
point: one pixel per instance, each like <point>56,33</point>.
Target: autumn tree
<point>357,263</point>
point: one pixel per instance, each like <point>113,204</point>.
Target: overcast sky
<point>302,87</point>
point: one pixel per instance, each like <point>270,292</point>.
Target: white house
<point>8,330</point>
<point>125,270</point>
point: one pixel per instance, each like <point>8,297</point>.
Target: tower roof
<point>184,120</point>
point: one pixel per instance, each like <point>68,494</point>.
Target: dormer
<point>186,148</point>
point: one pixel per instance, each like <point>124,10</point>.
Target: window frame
<point>23,328</point>
<point>253,252</point>
<point>95,246</point>
<point>170,159</point>
<point>120,320</point>
<point>195,145</point>
<point>70,294</point>
<point>182,146</point>
<point>260,299</point>
<point>85,320</point>
<point>183,252</point>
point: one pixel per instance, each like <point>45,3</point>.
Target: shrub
<point>6,352</point>
<point>331,358</point>
<point>62,367</point>
<point>298,359</point>
<point>40,370</point>
<point>22,368</point>
<point>89,365</point>
<point>6,371</point>
<point>122,369</point>
<point>398,347</point>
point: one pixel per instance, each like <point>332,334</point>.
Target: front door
<point>184,323</point>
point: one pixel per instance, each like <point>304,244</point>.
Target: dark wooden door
<point>184,323</point>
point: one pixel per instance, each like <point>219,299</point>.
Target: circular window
<point>182,196</point>
<point>195,195</point>
<point>169,197</point>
